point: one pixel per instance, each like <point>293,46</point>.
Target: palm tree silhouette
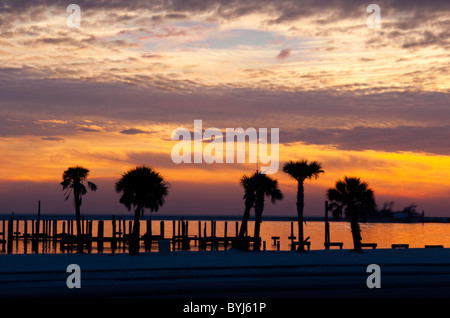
<point>141,187</point>
<point>355,198</point>
<point>73,181</point>
<point>263,186</point>
<point>300,171</point>
<point>248,183</point>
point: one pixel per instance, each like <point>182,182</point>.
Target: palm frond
<point>142,187</point>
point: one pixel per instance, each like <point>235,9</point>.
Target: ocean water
<point>417,235</point>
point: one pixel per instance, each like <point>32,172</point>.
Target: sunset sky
<point>367,102</point>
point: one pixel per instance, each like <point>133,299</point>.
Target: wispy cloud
<point>52,139</point>
<point>134,131</point>
<point>90,128</point>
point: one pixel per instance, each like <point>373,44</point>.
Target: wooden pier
<point>56,235</point>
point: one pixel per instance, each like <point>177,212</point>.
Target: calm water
<point>417,235</point>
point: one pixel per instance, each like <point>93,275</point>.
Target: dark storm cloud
<point>51,109</point>
<point>405,24</point>
<point>281,10</point>
<point>395,139</point>
<point>23,97</point>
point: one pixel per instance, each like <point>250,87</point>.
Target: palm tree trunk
<point>356,231</point>
<point>241,243</point>
<point>134,237</point>
<point>300,206</point>
<point>244,223</point>
<point>257,243</point>
<point>259,208</point>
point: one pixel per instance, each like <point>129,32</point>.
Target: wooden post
<point>120,229</point>
<point>327,227</point>
<point>161,229</point>
<point>149,239</point>
<point>130,227</point>
<point>149,227</point>
<point>39,215</point>
<point>100,230</point>
<point>35,239</point>
<point>25,230</point>
<point>3,235</point>
<point>173,235</point>
<point>10,235</point>
<point>113,241</point>
<point>180,234</point>
<point>88,235</point>
<point>292,237</point>
<point>50,229</point>
<point>17,229</point>
<point>44,234</point>
<point>16,233</point>
<point>278,245</point>
<point>89,228</point>
<point>185,245</point>
<point>237,228</point>
<point>25,236</point>
<point>55,230</point>
<point>199,229</point>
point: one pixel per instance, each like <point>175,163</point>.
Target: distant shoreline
<point>159,217</point>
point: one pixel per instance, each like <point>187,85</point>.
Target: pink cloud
<point>284,53</point>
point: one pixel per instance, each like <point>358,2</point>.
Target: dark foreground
<point>413,273</point>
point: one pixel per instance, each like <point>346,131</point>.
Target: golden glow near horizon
<point>186,52</point>
<point>110,154</point>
